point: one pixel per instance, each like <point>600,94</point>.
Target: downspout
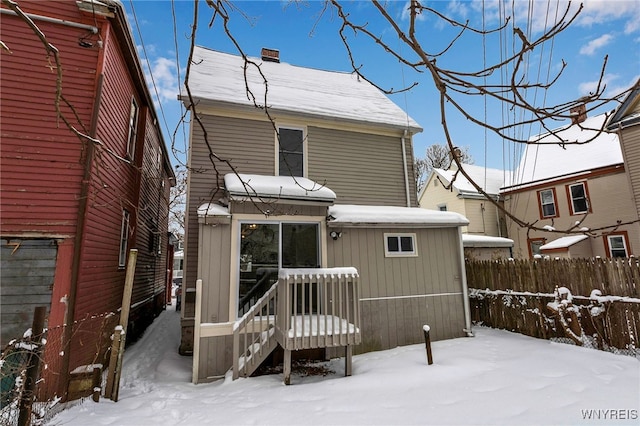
<point>406,172</point>
<point>465,289</point>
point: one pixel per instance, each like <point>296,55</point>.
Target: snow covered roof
<point>391,215</point>
<point>213,209</point>
<point>472,240</point>
<point>626,114</point>
<point>220,78</point>
<point>242,186</point>
<point>547,161</point>
<point>563,242</point>
<point>491,180</point>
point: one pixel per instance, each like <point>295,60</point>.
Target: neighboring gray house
<point>323,198</point>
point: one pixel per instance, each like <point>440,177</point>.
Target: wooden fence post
<point>115,363</point>
<point>33,364</point>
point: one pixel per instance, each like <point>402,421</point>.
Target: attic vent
<point>270,55</point>
<point>578,113</point>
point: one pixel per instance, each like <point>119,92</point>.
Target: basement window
<point>400,245</point>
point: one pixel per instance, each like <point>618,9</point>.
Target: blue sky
<point>305,37</point>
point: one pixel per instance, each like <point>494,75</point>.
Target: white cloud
<point>602,11</point>
<point>539,15</point>
<point>165,77</point>
<point>595,44</point>
<point>589,87</point>
<point>406,13</point>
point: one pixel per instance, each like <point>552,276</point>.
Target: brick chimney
<point>270,55</point>
<point>578,113</point>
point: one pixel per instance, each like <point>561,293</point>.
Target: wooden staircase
<point>305,309</point>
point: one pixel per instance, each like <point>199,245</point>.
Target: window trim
<point>134,116</point>
<point>400,253</point>
<point>305,164</point>
<point>124,238</point>
<point>555,203</point>
<point>570,198</point>
<point>625,241</point>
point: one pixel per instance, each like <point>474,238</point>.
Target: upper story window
<point>291,152</point>
<point>547,203</point>
<point>400,245</point>
<point>133,129</point>
<point>617,245</point>
<point>578,198</point>
<point>124,239</point>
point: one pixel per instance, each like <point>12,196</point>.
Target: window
<point>534,246</point>
<point>124,239</point>
<point>442,207</point>
<point>290,152</point>
<point>267,247</point>
<point>578,198</point>
<point>617,245</point>
<point>400,245</point>
<point>133,129</point>
<point>547,203</point>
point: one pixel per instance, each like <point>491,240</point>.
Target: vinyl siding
<point>402,294</point>
<point>215,356</point>
<point>360,168</point>
<point>630,143</point>
<point>248,145</point>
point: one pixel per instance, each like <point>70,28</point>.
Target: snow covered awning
<point>563,242</point>
<point>213,210</point>
<point>244,187</point>
<point>376,216</point>
<point>469,240</point>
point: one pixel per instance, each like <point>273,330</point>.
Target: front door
<point>267,247</point>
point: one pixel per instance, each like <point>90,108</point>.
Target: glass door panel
<point>259,259</point>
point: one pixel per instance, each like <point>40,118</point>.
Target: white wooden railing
<point>305,309</point>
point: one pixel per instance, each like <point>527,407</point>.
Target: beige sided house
<point>449,190</point>
<point>317,241</point>
<point>625,122</point>
<point>579,186</point>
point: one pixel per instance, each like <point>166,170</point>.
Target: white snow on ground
<point>496,378</point>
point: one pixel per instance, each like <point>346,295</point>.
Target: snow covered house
<point>449,190</point>
<point>73,206</point>
<point>323,181</point>
<point>582,187</point>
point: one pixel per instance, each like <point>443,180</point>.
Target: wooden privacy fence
<point>615,277</point>
<point>592,302</point>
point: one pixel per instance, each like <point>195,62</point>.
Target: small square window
<point>400,245</point>
<point>617,246</point>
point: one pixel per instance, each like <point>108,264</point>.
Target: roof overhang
<point>259,188</point>
<point>356,216</point>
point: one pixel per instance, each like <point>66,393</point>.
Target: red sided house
<point>85,178</point>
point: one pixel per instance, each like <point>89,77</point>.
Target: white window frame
<point>134,113</point>
<point>400,252</point>
<point>542,204</point>
<point>624,244</point>
<point>124,238</point>
<point>305,157</point>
